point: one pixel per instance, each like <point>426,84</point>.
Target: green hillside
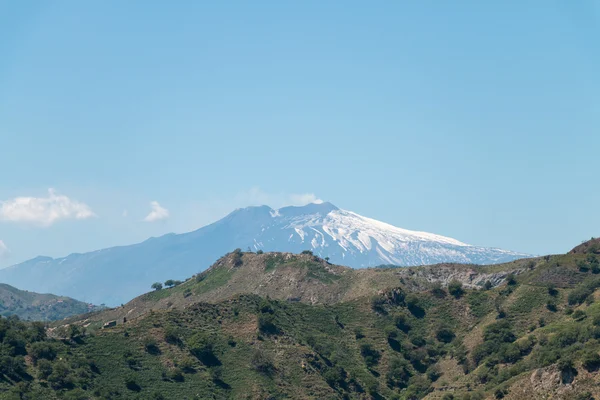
<point>275,326</point>
<point>38,307</point>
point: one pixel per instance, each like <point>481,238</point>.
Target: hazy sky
<point>475,120</point>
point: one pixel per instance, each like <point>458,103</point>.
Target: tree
<point>455,288</point>
<point>157,286</point>
<point>445,335</point>
<point>511,280</point>
<point>488,285</point>
<point>169,283</point>
<point>591,361</point>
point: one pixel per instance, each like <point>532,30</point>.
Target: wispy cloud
<point>4,251</point>
<point>255,196</point>
<point>158,212</point>
<point>43,211</point>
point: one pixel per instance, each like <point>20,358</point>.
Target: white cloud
<point>4,251</point>
<point>303,199</point>
<point>158,213</point>
<point>257,197</point>
<point>43,211</point>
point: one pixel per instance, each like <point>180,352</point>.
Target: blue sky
<point>475,120</point>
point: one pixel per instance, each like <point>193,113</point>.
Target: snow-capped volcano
<point>350,239</point>
<point>115,275</point>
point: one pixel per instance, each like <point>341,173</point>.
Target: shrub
<point>455,288</point>
<point>260,252</point>
<point>151,346</point>
<point>445,335</point>
<point>398,373</point>
<point>578,315</point>
<point>377,304</point>
<point>203,348</point>
<point>132,384</point>
<point>262,363</point>
<point>173,335</point>
<point>591,361</point>
<point>266,325</point>
<point>157,286</point>
<point>42,350</point>
<point>44,368</point>
<point>487,285</point>
<point>565,364</point>
<point>437,290</point>
<point>511,280</point>
<point>175,374</point>
<point>583,266</point>
<point>308,252</point>
<point>401,321</point>
<point>413,303</point>
<point>370,355</point>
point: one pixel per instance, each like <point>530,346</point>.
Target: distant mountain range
<point>115,275</point>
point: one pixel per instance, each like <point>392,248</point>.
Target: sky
<point>125,120</point>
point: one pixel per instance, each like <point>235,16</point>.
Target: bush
<point>511,280</point>
<point>151,346</point>
<point>173,335</point>
<point>402,322</point>
<point>266,325</point>
<point>578,315</point>
<point>398,373</point>
<point>455,288</point>
<point>202,347</point>
<point>591,361</point>
<point>565,364</point>
<point>260,252</point>
<point>370,355</point>
<point>487,285</point>
<point>175,374</point>
<point>42,350</point>
<point>413,303</point>
<point>378,304</point>
<point>437,290</point>
<point>44,368</point>
<point>132,384</point>
<point>157,286</point>
<point>262,363</point>
<point>445,335</point>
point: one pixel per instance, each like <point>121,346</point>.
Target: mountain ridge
<point>117,274</point>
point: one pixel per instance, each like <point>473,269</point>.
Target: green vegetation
<point>39,307</point>
<point>409,340</point>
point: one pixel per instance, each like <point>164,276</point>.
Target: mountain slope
<point>530,335</point>
<point>117,274</point>
<point>303,278</point>
<point>38,307</point>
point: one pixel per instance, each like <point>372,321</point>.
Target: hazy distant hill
<point>38,307</point>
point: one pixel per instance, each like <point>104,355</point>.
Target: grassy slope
<point>385,342</point>
<point>38,307</point>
